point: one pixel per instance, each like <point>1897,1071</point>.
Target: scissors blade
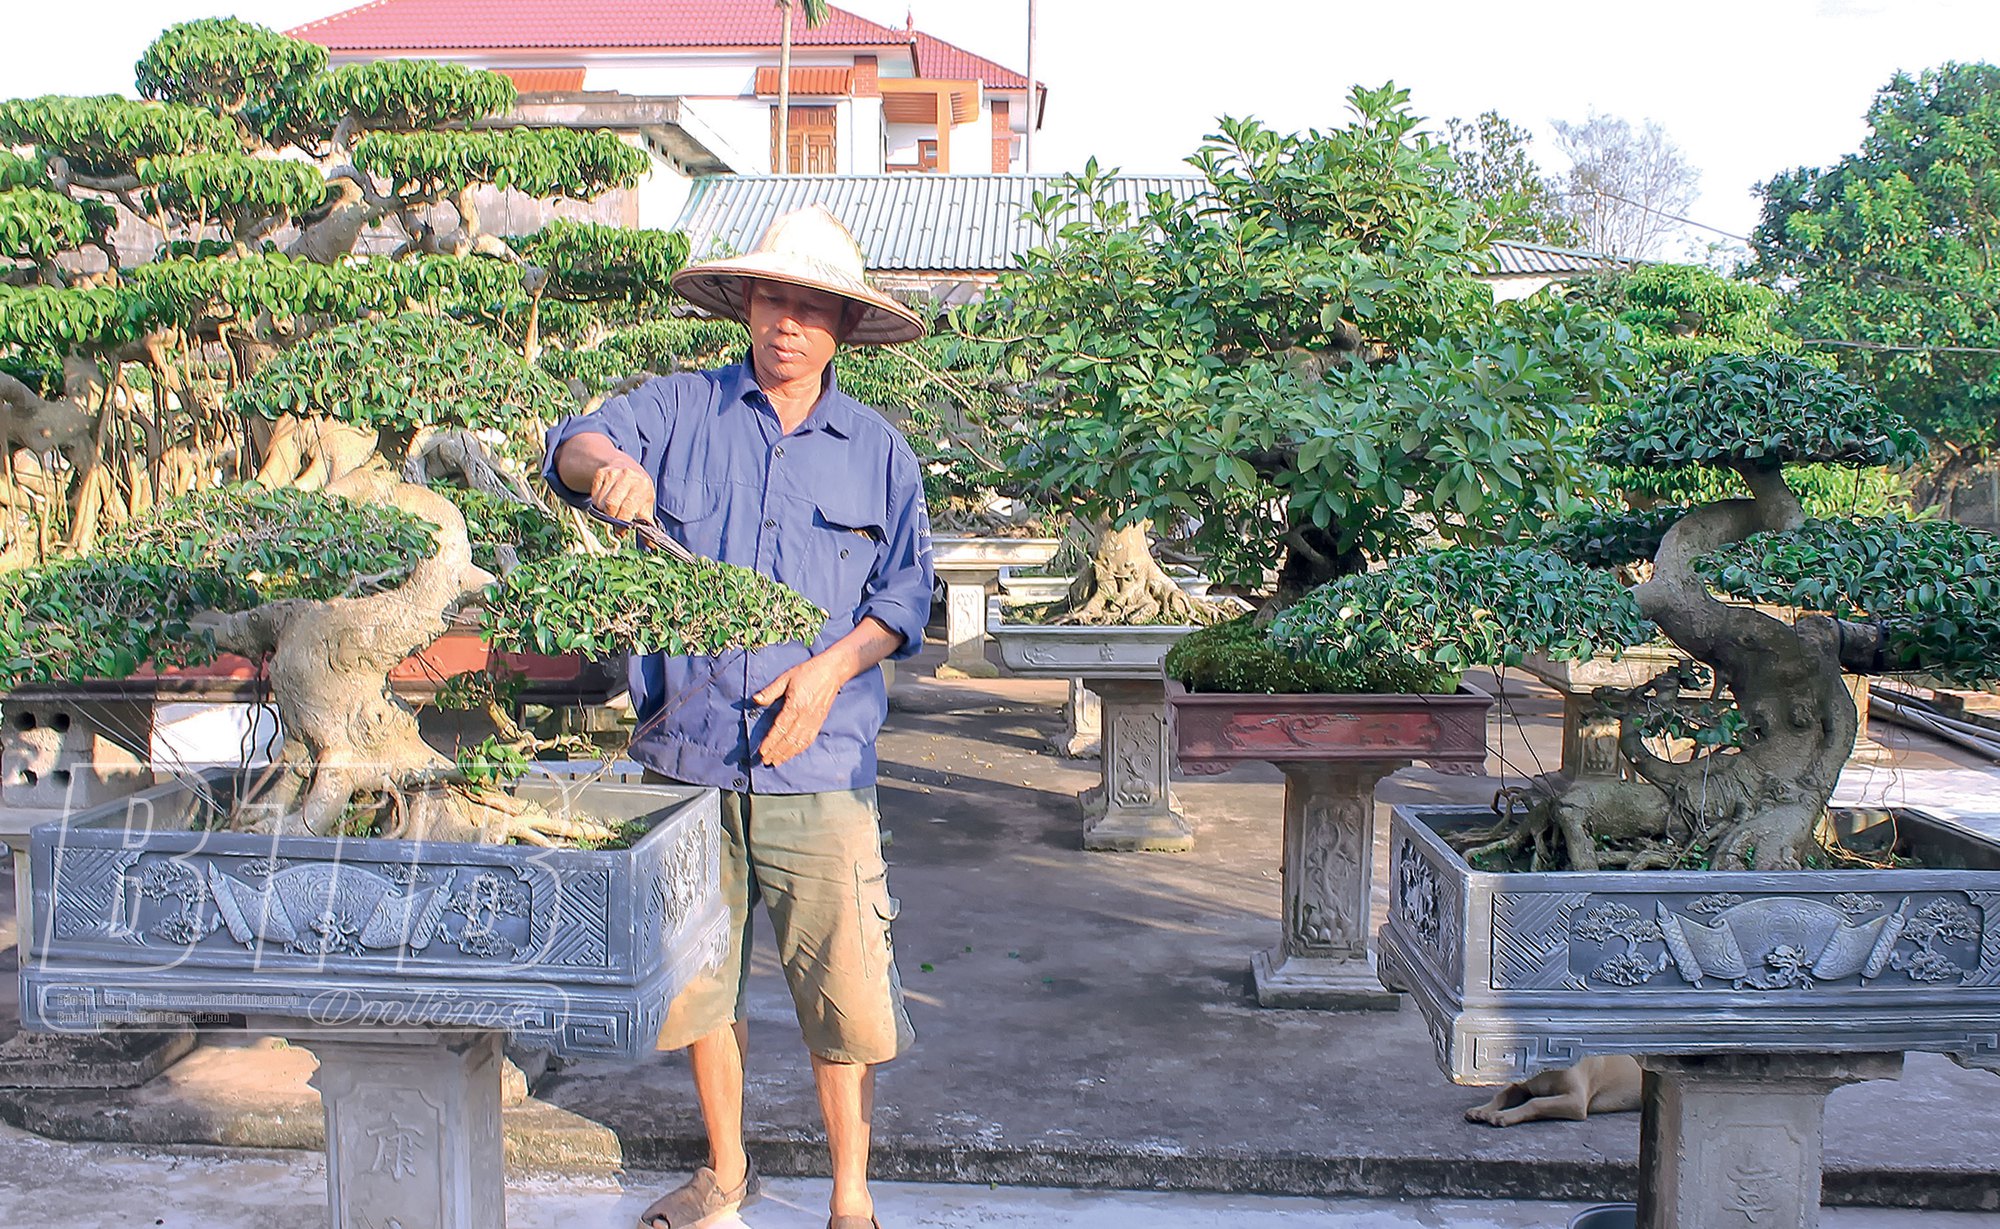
<point>647,532</point>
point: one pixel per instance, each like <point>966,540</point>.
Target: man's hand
<point>623,490</point>
<point>808,690</point>
<point>616,484</point>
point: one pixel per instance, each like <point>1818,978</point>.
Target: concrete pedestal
<point>1082,734</point>
<point>1735,1139</point>
<point>412,1129</point>
<point>1322,959</point>
<point>965,623</point>
<point>1133,807</point>
<point>969,567</point>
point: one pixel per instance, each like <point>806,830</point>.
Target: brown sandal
<point>700,1201</point>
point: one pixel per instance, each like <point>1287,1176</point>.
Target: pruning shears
<point>651,535</point>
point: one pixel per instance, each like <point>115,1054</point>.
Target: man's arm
<point>894,608</point>
<point>809,688</point>
<point>616,483</point>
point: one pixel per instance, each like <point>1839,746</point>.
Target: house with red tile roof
<point>865,98</point>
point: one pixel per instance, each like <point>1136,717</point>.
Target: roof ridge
<point>347,12</point>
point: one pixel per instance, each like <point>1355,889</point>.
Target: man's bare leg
<point>847,1103</point>
<point>717,1060</point>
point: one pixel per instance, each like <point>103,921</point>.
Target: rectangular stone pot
<point>1518,973</point>
<point>1213,732</point>
<point>140,915</point>
<point>1064,651</point>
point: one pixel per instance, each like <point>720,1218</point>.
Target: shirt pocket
<point>691,513</point>
<point>845,539</point>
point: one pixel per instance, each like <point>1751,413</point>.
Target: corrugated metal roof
<point>967,223</point>
<point>914,222</point>
<point>1539,260</point>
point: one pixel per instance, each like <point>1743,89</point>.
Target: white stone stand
<point>965,623</point>
<point>1132,807</point>
<point>969,567</point>
<point>1082,734</point>
<point>413,1134</point>
<point>1323,960</point>
<point>1735,1139</point>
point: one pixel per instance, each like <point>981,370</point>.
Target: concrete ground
<point>90,1186</point>
<point>1086,1022</point>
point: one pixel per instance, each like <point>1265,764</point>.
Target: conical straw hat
<point>808,247</point>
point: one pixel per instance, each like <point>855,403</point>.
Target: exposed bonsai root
<point>1123,585</point>
<point>309,454</point>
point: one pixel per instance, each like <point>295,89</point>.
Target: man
<point>768,465</point>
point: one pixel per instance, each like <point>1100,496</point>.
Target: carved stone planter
<point>967,566</point>
<point>570,950</point>
<point>403,966</point>
<point>1751,994</point>
<point>1132,807</point>
<point>1333,749</point>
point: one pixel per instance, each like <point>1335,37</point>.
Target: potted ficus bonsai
<point>1302,370</point>
<point>1712,912</point>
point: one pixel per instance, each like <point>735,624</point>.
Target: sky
<point>1746,88</point>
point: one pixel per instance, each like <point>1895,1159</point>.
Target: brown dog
<point>1608,1084</point>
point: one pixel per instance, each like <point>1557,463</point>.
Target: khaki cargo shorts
<point>815,860</point>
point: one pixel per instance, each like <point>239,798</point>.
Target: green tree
<point>1300,370</point>
<point>1889,254</point>
<point>1511,197</point>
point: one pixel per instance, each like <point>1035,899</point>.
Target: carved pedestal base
<point>965,626</point>
<point>1319,984</point>
<point>1133,808</point>
<point>1082,734</point>
<point>1322,960</point>
<point>1735,1139</point>
<point>412,1129</point>
<point>126,1058</point>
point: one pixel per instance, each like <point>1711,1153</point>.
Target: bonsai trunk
<point>1757,805</point>
<point>1123,584</point>
<point>350,743</point>
<point>1313,557</point>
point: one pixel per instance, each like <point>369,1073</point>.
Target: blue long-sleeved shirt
<point>835,510</point>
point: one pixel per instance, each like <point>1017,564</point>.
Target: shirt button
<point>779,451</point>
<point>770,524</point>
<point>740,783</point>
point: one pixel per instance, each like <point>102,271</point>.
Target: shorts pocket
<point>877,909</point>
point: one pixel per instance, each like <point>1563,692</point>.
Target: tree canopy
<point>1300,366</point>
<point>1889,252</point>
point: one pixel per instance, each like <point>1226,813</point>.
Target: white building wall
<point>869,136</point>
<point>902,141</point>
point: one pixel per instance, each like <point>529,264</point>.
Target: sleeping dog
<point>1602,1085</point>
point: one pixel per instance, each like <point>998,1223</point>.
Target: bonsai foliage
<point>1462,607</point>
<point>1851,595</point>
<point>1237,656</point>
<point>606,604</point>
<point>1302,362</point>
<point>1680,315</point>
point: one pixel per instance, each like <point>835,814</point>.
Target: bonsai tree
<point>156,252</point>
<point>1298,372</point>
<point>1852,594</point>
<point>332,588</point>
